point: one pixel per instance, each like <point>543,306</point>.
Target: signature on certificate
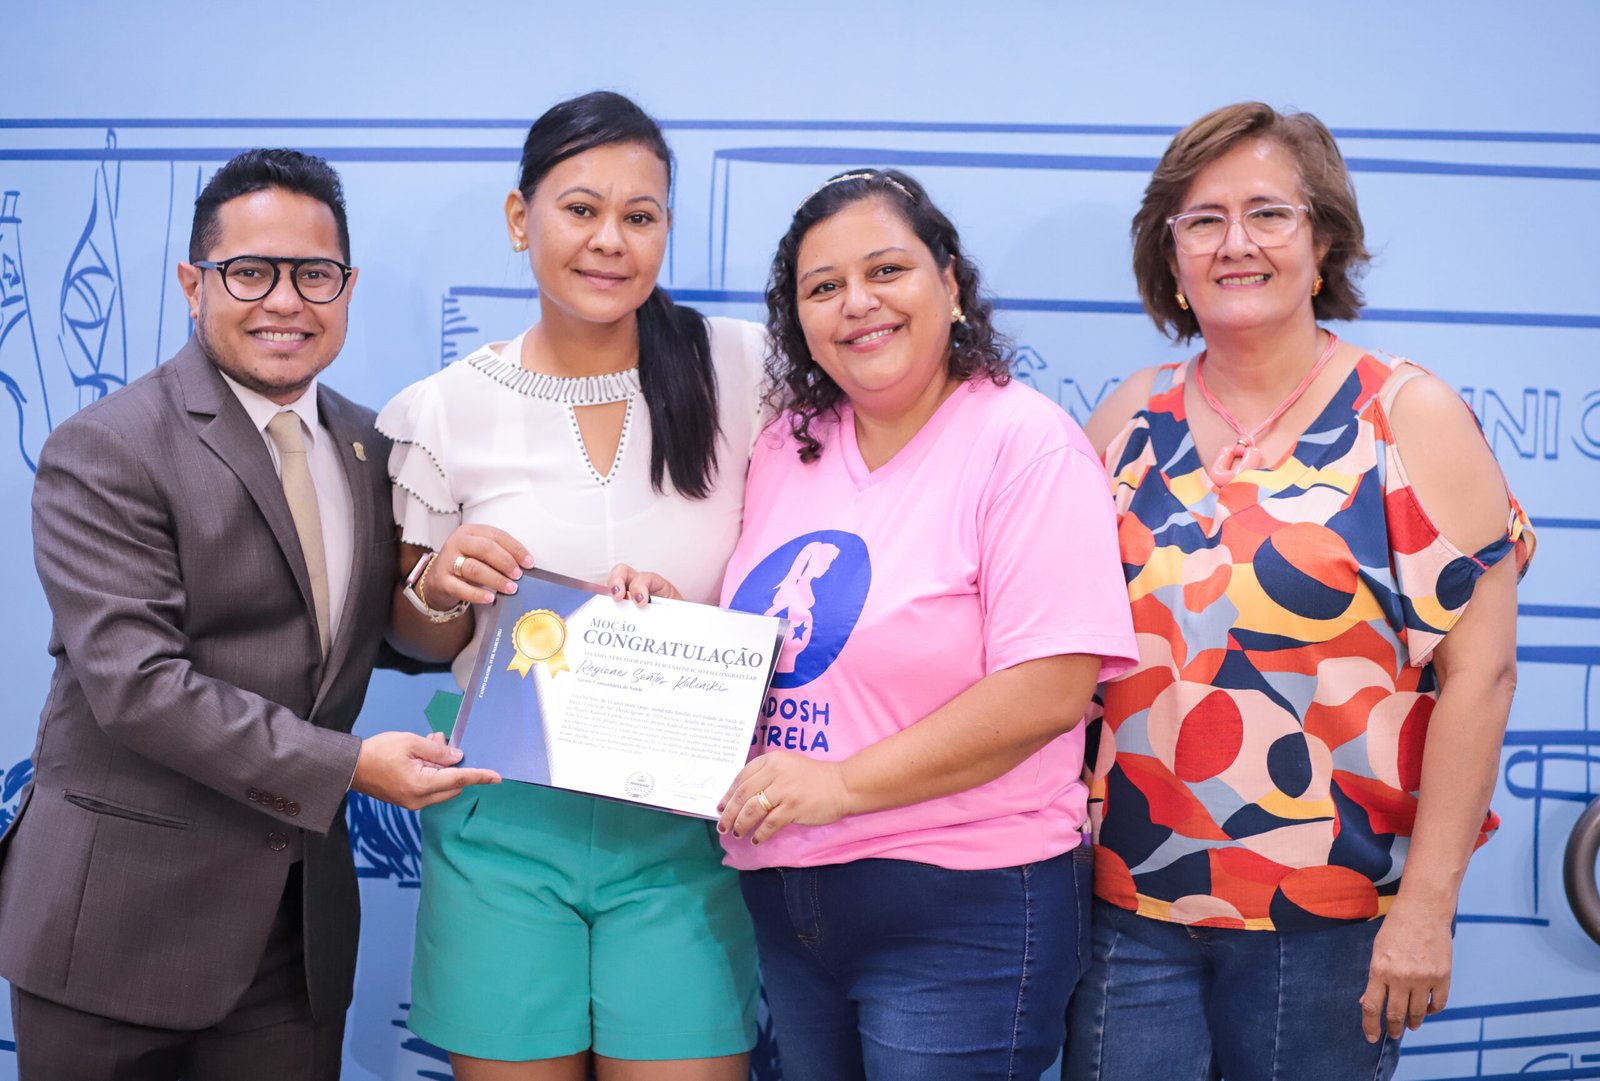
<point>693,780</point>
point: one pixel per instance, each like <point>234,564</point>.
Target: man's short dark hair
<point>257,170</point>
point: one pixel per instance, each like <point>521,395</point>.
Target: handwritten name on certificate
<point>653,705</point>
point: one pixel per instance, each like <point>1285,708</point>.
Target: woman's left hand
<point>782,787</point>
<point>1410,975</point>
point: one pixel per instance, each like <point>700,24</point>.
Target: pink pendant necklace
<point>1243,454</point>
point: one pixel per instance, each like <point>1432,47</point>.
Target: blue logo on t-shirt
<point>819,583</point>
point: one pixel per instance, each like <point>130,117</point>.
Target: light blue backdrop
<point>1473,130</point>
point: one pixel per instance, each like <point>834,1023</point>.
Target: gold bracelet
<point>422,583</point>
<point>418,597</point>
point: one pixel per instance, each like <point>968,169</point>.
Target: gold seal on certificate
<point>539,636</point>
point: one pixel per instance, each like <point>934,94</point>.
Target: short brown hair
<point>1323,177</point>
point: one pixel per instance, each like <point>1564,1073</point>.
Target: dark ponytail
<point>676,376</point>
<point>680,389</point>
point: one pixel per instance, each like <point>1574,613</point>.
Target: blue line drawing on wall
<point>764,1062</point>
<point>471,315</point>
<point>840,157</point>
<point>1078,399</point>
<point>11,784</point>
<point>416,1045</point>
<point>387,840</point>
<point>1027,367</point>
<point>455,329</point>
<point>1545,769</point>
<point>94,330</point>
<point>166,258</point>
<point>1163,131</point>
<point>1530,753</point>
<point>1531,430</point>
<point>21,371</point>
<point>1499,1051</point>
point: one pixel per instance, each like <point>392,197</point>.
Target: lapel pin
<point>361,452</point>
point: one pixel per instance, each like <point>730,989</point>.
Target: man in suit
<point>177,893</point>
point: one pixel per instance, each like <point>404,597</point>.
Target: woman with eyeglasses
<point>940,538</point>
<point>1322,558</point>
<point>557,932</point>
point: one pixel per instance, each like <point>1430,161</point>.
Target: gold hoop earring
<point>1316,286</point>
<point>1183,301</point>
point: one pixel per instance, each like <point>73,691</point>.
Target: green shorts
<point>552,922</point>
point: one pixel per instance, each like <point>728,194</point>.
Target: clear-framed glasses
<point>1201,232</point>
<point>252,277</point>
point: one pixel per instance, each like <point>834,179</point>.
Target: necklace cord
<point>1243,454</point>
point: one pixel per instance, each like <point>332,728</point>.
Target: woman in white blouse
<point>617,429</point>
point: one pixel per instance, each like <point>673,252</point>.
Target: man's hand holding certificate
<point>653,705</point>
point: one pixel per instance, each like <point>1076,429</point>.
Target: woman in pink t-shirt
<point>941,540</point>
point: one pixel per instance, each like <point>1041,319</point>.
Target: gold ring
<point>455,568</point>
<point>766,804</point>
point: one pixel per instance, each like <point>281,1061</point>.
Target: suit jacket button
<point>280,804</point>
<point>292,809</point>
<point>277,842</point>
<point>254,795</point>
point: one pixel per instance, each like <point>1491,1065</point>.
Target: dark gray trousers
<point>269,1036</point>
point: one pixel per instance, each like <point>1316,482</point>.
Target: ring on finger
<point>766,804</point>
<point>455,567</point>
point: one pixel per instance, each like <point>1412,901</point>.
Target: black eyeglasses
<point>254,277</point>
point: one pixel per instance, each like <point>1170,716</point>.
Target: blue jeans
<point>901,971</point>
<point>1161,1000</point>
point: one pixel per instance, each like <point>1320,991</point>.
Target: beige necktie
<point>284,431</point>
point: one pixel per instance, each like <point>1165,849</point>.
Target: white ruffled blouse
<point>486,441</point>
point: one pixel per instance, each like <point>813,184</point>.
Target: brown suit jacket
<point>193,743</point>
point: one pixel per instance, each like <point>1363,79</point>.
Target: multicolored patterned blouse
<point>1259,768</point>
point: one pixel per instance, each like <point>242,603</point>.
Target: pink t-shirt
<point>987,541</point>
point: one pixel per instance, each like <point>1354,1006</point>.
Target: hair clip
<point>869,174</point>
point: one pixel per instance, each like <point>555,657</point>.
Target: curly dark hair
<point>1324,178</point>
<point>800,387</point>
